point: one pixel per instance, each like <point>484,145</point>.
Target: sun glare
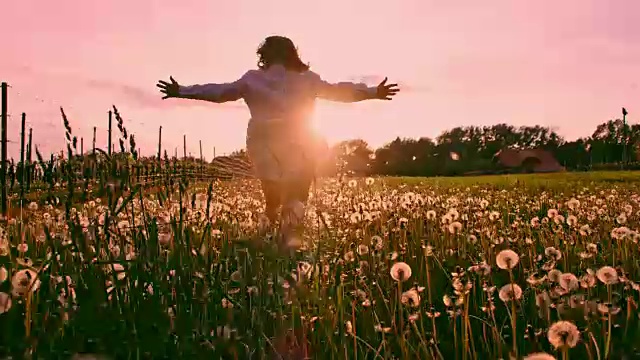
<point>315,124</point>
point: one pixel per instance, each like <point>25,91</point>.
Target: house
<point>528,160</point>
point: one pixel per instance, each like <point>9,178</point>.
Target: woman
<point>281,144</point>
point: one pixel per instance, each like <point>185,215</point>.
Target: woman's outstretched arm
<point>353,92</point>
<point>217,93</point>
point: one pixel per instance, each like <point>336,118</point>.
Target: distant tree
<point>352,156</point>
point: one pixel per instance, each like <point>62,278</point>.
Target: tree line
<point>472,149</point>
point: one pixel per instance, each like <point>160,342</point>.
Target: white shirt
<point>276,93</point>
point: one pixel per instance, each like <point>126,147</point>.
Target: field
<point>444,268</point>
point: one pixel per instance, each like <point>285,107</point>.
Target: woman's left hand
<point>171,89</point>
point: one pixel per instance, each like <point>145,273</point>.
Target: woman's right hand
<point>386,92</point>
<point>170,89</point>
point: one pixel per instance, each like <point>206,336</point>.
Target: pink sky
<point>568,64</point>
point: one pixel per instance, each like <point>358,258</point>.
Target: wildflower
<point>363,249</point>
<point>355,217</point>
<point>369,181</point>
<point>349,327</point>
<point>563,334</point>
<point>569,282</point>
<point>607,275</point>
<point>33,206</point>
<point>587,281</point>
<point>4,274</point>
<point>472,239</point>
<point>510,292</point>
<point>400,271</point>
<point>543,300</point>
<point>620,233</point>
<point>608,308</point>
<point>378,242</point>
<point>539,356</point>
<point>23,247</point>
<point>585,230</point>
<point>119,270</point>
<point>24,281</point>
<point>411,298</point>
<point>553,253</point>
<point>554,275</point>
<point>414,317</point>
<point>5,302</point>
<point>482,269</point>
<point>507,259</point>
<point>533,280</point>
<point>455,227</point>
<point>573,203</point>
<point>380,328</point>
<point>483,204</point>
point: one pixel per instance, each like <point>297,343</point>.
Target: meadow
<point>495,267</point>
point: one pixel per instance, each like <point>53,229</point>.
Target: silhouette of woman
<point>282,146</point>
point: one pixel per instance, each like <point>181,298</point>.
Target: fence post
<point>81,146</point>
<point>3,140</point>
<point>93,149</point>
<point>109,140</point>
<point>29,169</point>
<point>160,144</point>
<point>625,155</point>
<point>201,160</point>
<point>184,145</point>
<point>23,168</point>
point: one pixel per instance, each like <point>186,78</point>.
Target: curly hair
<point>280,50</point>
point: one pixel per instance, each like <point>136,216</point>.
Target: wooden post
<point>29,169</point>
<point>626,136</point>
<point>109,140</point>
<point>184,145</point>
<point>93,148</point>
<point>160,143</point>
<point>81,146</point>
<point>201,161</point>
<point>3,140</point>
<point>22,165</point>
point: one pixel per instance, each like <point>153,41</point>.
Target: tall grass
<point>389,268</point>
